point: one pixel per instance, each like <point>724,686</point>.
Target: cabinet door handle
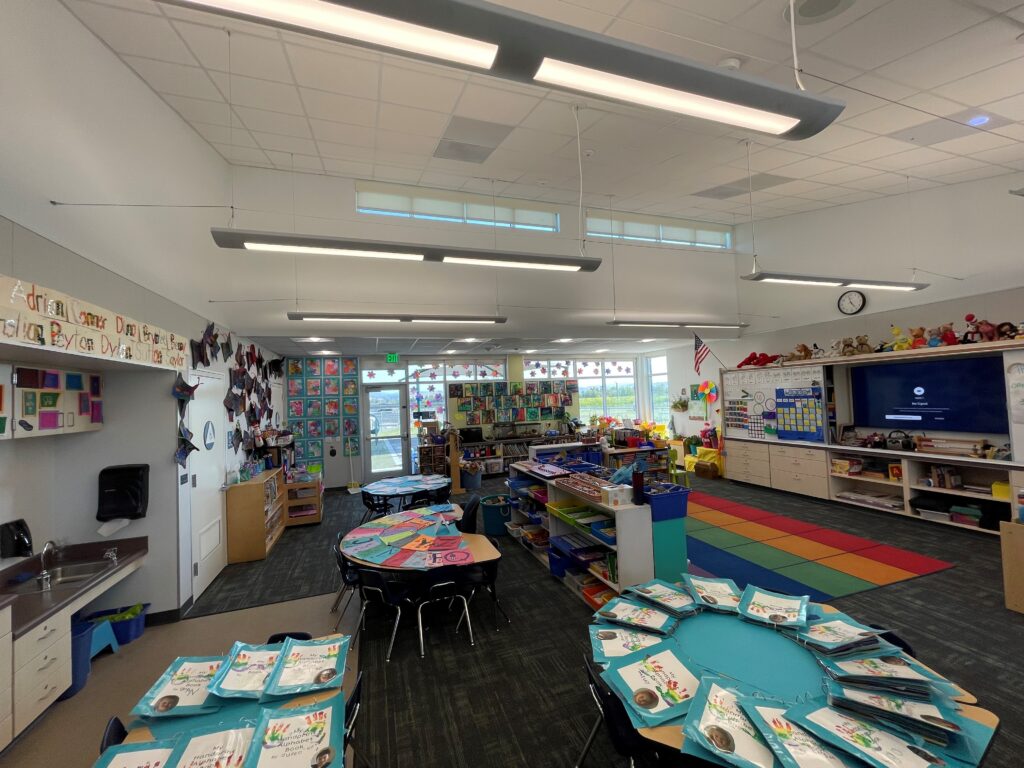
<point>46,693</point>
<point>47,633</point>
<point>47,664</point>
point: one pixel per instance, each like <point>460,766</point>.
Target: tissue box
<point>1001,491</point>
<point>617,495</point>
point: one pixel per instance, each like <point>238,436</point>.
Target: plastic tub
<point>598,530</point>
<point>126,630</point>
<point>471,481</point>
<point>497,512</point>
<point>81,658</point>
<point>515,530</point>
<point>671,503</point>
<point>557,563</point>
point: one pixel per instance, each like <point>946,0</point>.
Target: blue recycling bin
<point>81,657</point>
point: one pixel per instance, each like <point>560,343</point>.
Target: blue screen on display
<point>965,395</point>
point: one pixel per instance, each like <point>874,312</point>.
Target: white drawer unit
<point>784,453</point>
<point>30,702</point>
<point>746,476</point>
<point>796,482</point>
<point>736,449</point>
<point>41,666</point>
<point>6,679</point>
<point>40,637</point>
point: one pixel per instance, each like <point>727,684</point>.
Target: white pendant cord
<point>579,160</point>
<point>792,36</point>
<point>750,202</point>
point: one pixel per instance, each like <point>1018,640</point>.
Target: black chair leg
<point>590,740</point>
<point>497,604</point>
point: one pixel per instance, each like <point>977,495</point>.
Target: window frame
<point>637,228</point>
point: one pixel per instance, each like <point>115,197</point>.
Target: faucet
<point>49,550</point>
<point>111,555</point>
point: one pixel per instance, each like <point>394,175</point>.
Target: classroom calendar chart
<point>800,414</point>
<point>750,396</point>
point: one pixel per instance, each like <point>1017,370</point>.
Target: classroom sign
<point>34,316</point>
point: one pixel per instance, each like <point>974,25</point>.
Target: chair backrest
<point>280,637</point>
<point>352,707</point>
<point>375,581</point>
<point>419,500</point>
<point>441,495</point>
<point>625,738</point>
<point>375,505</point>
<point>468,522</point>
<point>114,734</point>
<point>440,582</point>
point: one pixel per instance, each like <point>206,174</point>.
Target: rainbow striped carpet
<point>751,545</point>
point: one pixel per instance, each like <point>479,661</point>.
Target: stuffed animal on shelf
<point>848,347</point>
<point>764,359</point>
<point>1006,331</point>
<point>800,352</point>
<point>917,339</point>
<point>750,359</point>
<point>899,343</point>
<point>864,345</point>
<point>1020,330</point>
<point>972,335</point>
<point>817,352</point>
<point>988,331</point>
<point>935,337</point>
<point>948,335</point>
<point>836,348</point>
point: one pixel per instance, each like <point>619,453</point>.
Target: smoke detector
<point>731,63</point>
<point>816,11</point>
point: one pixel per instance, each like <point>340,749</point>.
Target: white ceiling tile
<point>1000,6</point>
<point>341,109</point>
<point>394,141</point>
<point>443,180</point>
<point>855,197</point>
<point>346,152</point>
<point>909,159</point>
<point>143,6</point>
<point>768,159</point>
<point>714,9</point>
<point>251,56</point>
<point>241,154</point>
<point>976,142</point>
<point>987,172</point>
<point>216,20</point>
<point>945,167</point>
<point>390,157</point>
<point>797,188</point>
<point>931,104</point>
<point>876,182</point>
<point>286,161</point>
<point>557,117</point>
<point>844,175</point>
<point>290,144</point>
<point>419,89</point>
<point>990,85</point>
<point>201,110</point>
<point>879,86</point>
<point>1012,107</point>
<point>568,12</point>
<point>1015,130</point>
<point>896,29</point>
<point>986,44</point>
<point>767,18</point>
<point>394,117</point>
<point>1012,155</point>
<point>494,105</point>
<point>395,173</point>
<point>347,168</point>
<point>856,102</point>
<point>221,134</point>
<point>273,122</point>
<point>175,79</point>
<point>835,136</point>
<point>134,34</point>
<point>324,71</point>
<point>869,150</point>
<point>541,142</point>
<point>887,119</point>
<point>483,186</point>
<point>343,133</point>
<point>915,185</point>
<point>807,167</point>
<point>259,94</point>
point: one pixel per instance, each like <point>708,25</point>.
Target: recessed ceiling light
<point>599,351</point>
<point>562,341</point>
<point>645,341</point>
<point>978,120</point>
<point>311,340</point>
<point>450,351</point>
<point>325,352</point>
<point>470,340</point>
<point>529,351</point>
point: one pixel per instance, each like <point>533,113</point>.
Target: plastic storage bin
<point>599,529</point>
<point>671,502</point>
<point>81,657</point>
<point>471,481</point>
<point>557,563</point>
<point>127,630</point>
<point>496,513</point>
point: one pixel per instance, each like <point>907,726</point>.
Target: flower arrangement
<point>648,428</point>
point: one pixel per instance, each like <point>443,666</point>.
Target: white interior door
<point>206,469</point>
<point>385,431</point>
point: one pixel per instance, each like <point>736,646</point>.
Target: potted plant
<point>679,407</point>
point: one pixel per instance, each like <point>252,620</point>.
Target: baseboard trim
<point>168,617</point>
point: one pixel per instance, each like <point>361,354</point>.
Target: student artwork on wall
<point>332,386</point>
<point>318,384</point>
<point>44,405</point>
<point>510,401</point>
<point>332,366</point>
<point>350,388</point>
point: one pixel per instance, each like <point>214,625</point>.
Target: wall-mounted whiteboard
<point>749,404</point>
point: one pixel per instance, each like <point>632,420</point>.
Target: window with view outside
<point>660,412</point>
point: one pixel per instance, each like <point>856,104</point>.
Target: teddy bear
<point>836,348</point>
<point>800,352</point>
<point>948,335</point>
<point>848,347</point>
<point>935,337</point>
<point>917,339</point>
<point>864,346</point>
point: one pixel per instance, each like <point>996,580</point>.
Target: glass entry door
<point>386,431</point>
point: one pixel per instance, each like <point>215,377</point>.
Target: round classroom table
<point>406,485</point>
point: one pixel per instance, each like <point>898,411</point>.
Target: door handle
<point>47,664</point>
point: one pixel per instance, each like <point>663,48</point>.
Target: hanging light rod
<point>479,35</point>
<point>320,245</point>
<point>652,324</point>
<point>351,317</point>
<point>758,276</point>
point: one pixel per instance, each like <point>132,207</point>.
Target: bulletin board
<point>50,401</point>
<point>322,395</point>
<point>801,415</point>
<point>751,407</point>
<point>507,402</point>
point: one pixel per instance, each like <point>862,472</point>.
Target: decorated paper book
<point>610,642</point>
<point>667,596</point>
<point>216,746</point>
<point>656,685</point>
<point>893,672</point>
<point>716,594</point>
<point>300,737</point>
<point>245,672</point>
<point>305,666</point>
<point>632,614</point>
<point>837,634</point>
<point>766,607</point>
<point>863,739</point>
<point>718,723</point>
<point>793,746</point>
<point>935,719</point>
<point>147,754</point>
<point>182,689</point>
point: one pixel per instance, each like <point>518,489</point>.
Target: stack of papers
<point>630,614</point>
<point>838,635</point>
<point>668,597</point>
<point>893,673</point>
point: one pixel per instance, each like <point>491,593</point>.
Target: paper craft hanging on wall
<point>182,390</point>
<point>48,399</point>
<point>75,382</point>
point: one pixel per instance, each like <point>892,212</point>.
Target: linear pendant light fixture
<point>788,278</point>
<point>320,245</point>
<point>479,35</point>
<point>667,324</point>
<point>349,317</point>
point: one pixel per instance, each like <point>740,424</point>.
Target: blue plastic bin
<point>81,657</point>
<point>496,513</point>
<point>471,481</point>
<point>671,504</point>
<point>125,631</point>
<point>558,562</point>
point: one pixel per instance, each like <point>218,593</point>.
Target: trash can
<point>81,659</point>
<point>496,513</point>
<point>471,481</point>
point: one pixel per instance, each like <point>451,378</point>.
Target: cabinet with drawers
<point>748,463</point>
<point>799,470</point>
<point>6,679</point>
<point>42,667</point>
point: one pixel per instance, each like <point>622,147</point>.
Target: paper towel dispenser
<point>123,492</point>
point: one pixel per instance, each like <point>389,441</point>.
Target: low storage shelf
<point>255,516</point>
<point>304,502</point>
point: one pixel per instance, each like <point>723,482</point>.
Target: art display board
<point>800,414</point>
<point>50,401</point>
<point>322,402</point>
<point>35,316</point>
<point>750,396</point>
<point>506,402</point>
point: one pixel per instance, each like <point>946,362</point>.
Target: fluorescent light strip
<point>329,319</point>
<point>725,326</point>
<point>510,264</point>
<point>577,78</point>
<point>831,282</point>
<point>875,287</point>
<point>647,325</point>
<point>457,322</point>
<point>315,251</point>
<point>342,317</point>
<point>801,281</point>
<point>370,28</point>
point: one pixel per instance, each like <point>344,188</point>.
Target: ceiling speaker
<point>816,11</point>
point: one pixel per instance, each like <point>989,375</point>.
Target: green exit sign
<point>392,357</point>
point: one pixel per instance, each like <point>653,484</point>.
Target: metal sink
<point>63,576</point>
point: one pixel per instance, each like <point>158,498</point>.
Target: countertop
<point>31,609</point>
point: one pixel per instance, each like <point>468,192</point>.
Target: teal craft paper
<point>245,671</point>
<point>834,631</point>
<point>772,608</point>
<point>657,684</point>
<point>147,754</point>
<point>793,746</point>
<point>305,666</point>
<point>633,613</point>
<point>300,737</point>
<point>378,554</point>
<point>886,665</point>
<point>665,596</point>
<point>610,641</point>
<point>717,722</point>
<point>182,689</point>
<point>211,746</point>
<point>716,594</point>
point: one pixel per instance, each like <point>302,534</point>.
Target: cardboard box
<point>1012,542</point>
<point>847,466</point>
<point>617,495</point>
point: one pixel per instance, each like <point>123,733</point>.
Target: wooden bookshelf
<point>255,516</point>
<point>304,502</point>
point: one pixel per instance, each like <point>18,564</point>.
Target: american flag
<point>700,352</point>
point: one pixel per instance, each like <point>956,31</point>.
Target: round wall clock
<point>851,302</point>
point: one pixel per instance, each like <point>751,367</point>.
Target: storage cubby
<point>255,516</point>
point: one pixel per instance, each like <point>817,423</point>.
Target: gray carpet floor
<point>518,698</point>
